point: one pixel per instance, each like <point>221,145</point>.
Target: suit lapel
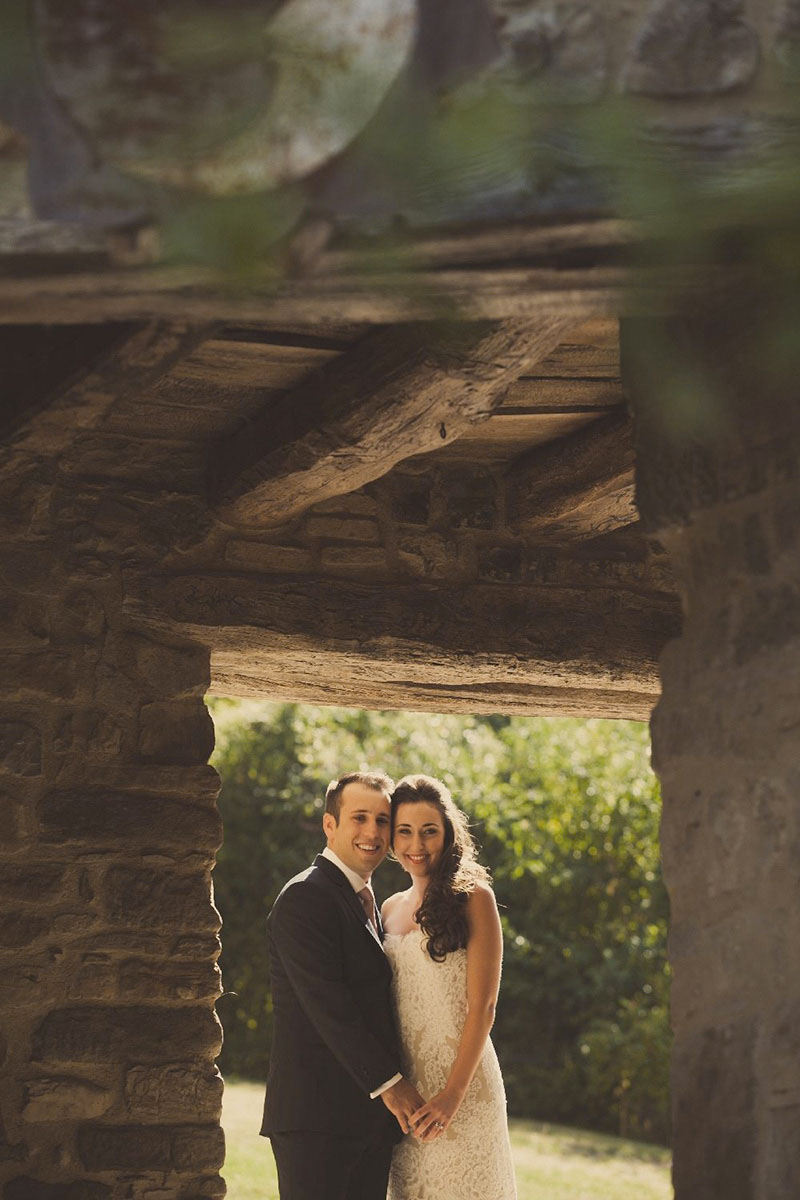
<point>332,872</point>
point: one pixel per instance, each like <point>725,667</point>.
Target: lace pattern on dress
<point>472,1159</point>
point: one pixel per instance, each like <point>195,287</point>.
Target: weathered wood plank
<point>511,242</point>
<point>239,364</point>
<point>139,358</point>
<point>401,391</point>
<point>422,642</point>
<point>577,487</point>
<point>199,294</point>
<point>570,394</point>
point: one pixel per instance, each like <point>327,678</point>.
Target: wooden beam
<point>137,358</point>
<point>481,647</point>
<point>399,392</point>
<point>202,294</point>
<point>578,487</point>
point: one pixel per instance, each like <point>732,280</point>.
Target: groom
<point>336,1101</point>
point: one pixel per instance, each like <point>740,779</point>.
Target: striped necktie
<point>368,904</point>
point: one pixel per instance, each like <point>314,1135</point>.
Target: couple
<point>381,1071</point>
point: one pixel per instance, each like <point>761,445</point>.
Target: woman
<point>444,942</point>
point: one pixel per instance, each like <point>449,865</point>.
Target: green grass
<point>552,1163</point>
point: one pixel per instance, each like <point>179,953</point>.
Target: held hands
<point>402,1099</point>
<point>431,1120</point>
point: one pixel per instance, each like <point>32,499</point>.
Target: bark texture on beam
<point>399,392</point>
<point>438,646</point>
<point>578,487</point>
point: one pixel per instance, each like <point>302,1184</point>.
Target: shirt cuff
<point>384,1086</point>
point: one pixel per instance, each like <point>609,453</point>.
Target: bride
<point>444,942</point>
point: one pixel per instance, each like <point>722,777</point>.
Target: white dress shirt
<point>358,883</point>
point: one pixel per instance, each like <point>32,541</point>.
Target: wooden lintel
<point>490,647</point>
<point>401,391</point>
<point>578,487</point>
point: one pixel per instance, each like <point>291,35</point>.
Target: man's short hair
<point>370,779</point>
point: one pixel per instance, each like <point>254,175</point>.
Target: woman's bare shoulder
<point>481,902</point>
<point>392,901</point>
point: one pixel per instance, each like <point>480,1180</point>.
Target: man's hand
<point>402,1099</point>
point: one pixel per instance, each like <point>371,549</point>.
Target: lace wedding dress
<point>471,1160</point>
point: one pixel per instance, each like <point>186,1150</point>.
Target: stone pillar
<point>108,828</point>
<point>718,416</point>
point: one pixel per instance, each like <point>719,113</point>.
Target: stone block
<point>200,782</point>
<point>206,947</point>
<point>126,942</point>
<point>431,556</point>
<point>42,673</point>
<point>176,731</point>
<point>142,1034</point>
<point>692,48</point>
<point>24,623</point>
<point>139,1147</point>
<point>562,47</point>
<point>368,560</point>
<point>212,1187</point>
<point>24,1187</point>
<point>20,748</point>
<point>159,900</point>
<point>471,501</point>
<point>99,817</point>
<point>10,820</point>
<point>168,671</point>
<point>151,1147</point>
<point>411,500</point>
<point>142,980</point>
<point>92,981</point>
<point>79,616</point>
<point>500,563</point>
<point>64,1098</point>
<point>198,1147</point>
<point>32,881</point>
<point>342,529</point>
<point>280,560</point>
<point>19,929</point>
<point>173,1092</point>
<point>88,733</point>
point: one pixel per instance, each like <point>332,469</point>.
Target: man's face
<point>361,838</point>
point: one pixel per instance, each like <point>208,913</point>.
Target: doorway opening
<point>566,813</point>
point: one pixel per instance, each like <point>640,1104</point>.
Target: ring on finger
<point>438,1125</point>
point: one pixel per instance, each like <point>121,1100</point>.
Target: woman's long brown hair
<point>443,912</point>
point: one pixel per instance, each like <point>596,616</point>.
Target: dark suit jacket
<point>334,1039</point>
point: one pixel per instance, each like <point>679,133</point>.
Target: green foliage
<point>567,816</point>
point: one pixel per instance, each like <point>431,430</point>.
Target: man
<point>336,1101</point>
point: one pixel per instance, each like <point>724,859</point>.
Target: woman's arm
<point>484,958</point>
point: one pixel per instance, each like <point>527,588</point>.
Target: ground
<point>552,1163</point>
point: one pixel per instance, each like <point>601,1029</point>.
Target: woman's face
<point>418,839</point>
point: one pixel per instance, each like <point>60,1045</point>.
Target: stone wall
<point>725,496</point>
<point>108,828</point>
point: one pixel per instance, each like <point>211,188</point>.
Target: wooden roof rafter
<point>401,391</point>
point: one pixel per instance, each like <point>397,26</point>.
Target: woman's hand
<point>434,1117</point>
